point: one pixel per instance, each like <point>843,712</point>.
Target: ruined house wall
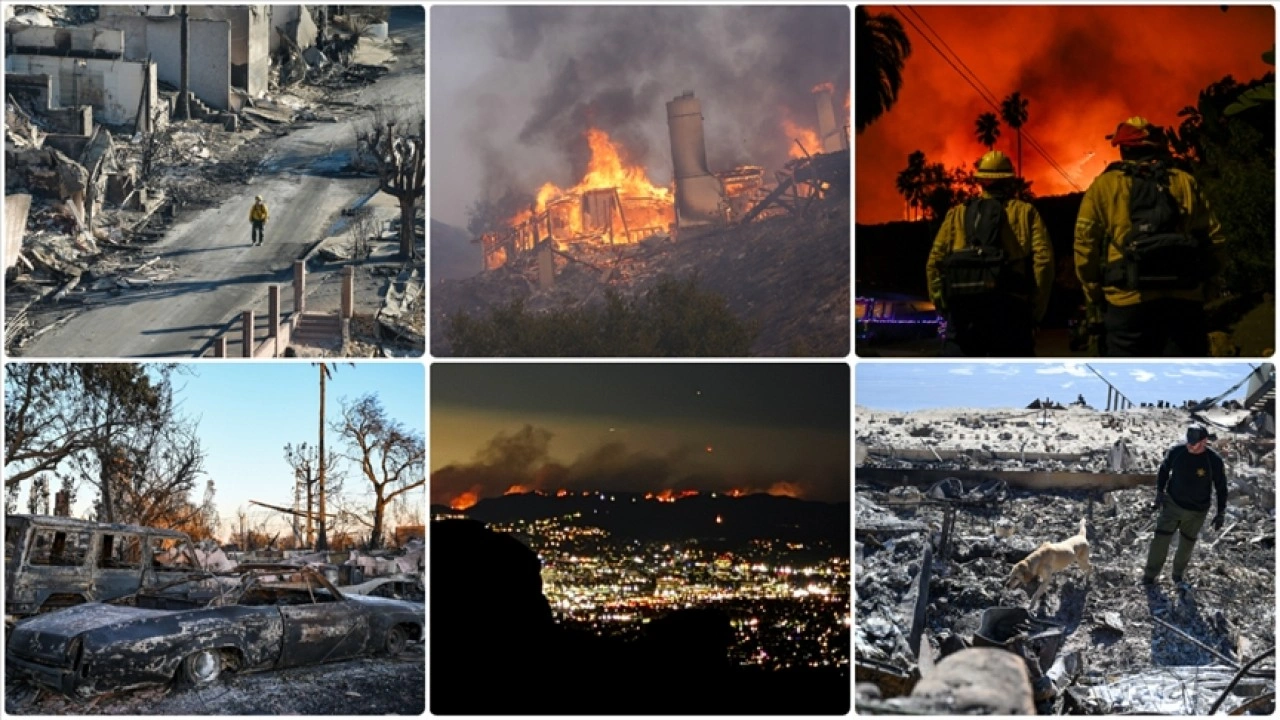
<point>16,208</point>
<point>101,42</point>
<point>295,22</point>
<point>112,87</point>
<point>137,10</point>
<point>209,73</point>
<point>250,42</point>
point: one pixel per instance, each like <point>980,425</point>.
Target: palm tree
<point>988,129</point>
<point>1014,113</point>
<point>883,49</point>
<point>911,181</point>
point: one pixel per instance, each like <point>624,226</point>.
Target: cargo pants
<point>1187,524</point>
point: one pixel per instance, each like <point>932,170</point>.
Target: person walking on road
<point>258,218</point>
<point>1186,477</point>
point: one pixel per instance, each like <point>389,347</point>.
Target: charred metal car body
<point>268,619</point>
<point>55,562</point>
<point>400,587</point>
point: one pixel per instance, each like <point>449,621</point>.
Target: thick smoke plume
<point>521,460</point>
<point>616,67</point>
<point>1082,68</point>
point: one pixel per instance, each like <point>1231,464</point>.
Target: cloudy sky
<point>514,88</point>
<point>918,386</point>
<point>1083,69</point>
<point>774,427</point>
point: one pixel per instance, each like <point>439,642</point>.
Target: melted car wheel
<point>397,638</point>
<point>202,668</point>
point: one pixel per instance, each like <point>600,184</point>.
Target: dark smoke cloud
<point>616,67</point>
<point>522,459</point>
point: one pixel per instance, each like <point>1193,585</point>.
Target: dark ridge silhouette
<point>743,519</point>
<point>496,650</point>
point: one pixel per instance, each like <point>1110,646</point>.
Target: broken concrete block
<point>980,680</point>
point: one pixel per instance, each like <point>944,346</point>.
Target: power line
<point>983,92</point>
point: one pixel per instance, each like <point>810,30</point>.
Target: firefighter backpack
<point>1155,255</point>
<point>982,266</point>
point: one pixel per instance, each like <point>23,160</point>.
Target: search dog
<point>1048,559</point>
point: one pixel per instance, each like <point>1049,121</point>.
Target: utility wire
<point>983,92</point>
<point>989,96</point>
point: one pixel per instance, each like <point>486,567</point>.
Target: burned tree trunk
<point>398,150</point>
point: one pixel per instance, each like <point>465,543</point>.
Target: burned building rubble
<point>100,160</point>
<point>616,203</point>
<point>957,497</point>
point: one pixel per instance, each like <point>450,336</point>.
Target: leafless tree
<point>390,456</point>
<point>305,461</point>
<point>397,146</point>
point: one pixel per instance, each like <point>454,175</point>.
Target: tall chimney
<point>829,131</point>
<point>699,194</point>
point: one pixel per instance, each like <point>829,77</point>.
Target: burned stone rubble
<point>97,175</point>
<point>934,550</point>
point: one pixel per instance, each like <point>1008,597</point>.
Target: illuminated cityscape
<point>788,602</point>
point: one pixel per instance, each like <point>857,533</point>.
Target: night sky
<point>761,427</point>
<point>1083,69</point>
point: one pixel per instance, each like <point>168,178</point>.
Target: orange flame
<point>464,501</point>
<point>561,492</point>
<point>735,493</point>
<point>808,138</point>
<point>606,170</point>
<point>516,490</point>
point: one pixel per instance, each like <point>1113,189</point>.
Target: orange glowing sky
<point>1082,68</point>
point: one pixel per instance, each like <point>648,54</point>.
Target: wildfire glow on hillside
<point>1083,69</point>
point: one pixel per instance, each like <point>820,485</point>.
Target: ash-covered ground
<point>1135,645</point>
<point>367,686</point>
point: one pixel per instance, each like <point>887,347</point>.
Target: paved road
<point>219,274</point>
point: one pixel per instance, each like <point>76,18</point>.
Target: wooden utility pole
<point>322,542</point>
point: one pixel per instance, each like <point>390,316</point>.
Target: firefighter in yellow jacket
<point>1148,251</point>
<point>991,268</point>
<point>258,219</point>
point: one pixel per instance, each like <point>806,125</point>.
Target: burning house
<point>616,203</point>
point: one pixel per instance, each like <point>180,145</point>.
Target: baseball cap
<point>1196,433</point>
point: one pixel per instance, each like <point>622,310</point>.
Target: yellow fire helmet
<point>995,165</point>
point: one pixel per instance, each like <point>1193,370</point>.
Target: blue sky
<point>248,411</point>
<point>916,386</point>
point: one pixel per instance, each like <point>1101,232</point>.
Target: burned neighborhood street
<point>169,270</point>
<point>164,563</point>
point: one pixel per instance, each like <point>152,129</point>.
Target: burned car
<point>265,619</point>
<point>53,562</point>
<point>400,587</point>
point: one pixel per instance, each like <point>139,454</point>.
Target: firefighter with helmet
<point>1148,251</point>
<point>991,268</point>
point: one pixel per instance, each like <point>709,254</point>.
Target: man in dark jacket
<point>1187,475</point>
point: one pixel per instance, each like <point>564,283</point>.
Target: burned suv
<point>53,562</point>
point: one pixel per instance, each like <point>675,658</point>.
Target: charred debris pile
<point>933,553</point>
<point>788,276</point>
<point>97,172</point>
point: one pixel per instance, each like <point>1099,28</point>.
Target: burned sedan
<point>268,619</point>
